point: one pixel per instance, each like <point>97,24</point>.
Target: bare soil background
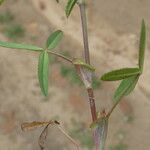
<point>113,33</point>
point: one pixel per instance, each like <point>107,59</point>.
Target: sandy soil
<point>113,42</point>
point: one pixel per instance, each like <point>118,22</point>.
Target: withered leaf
<point>42,138</point>
<point>34,125</point>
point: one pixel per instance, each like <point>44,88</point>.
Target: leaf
<point>120,74</point>
<point>100,133</point>
<point>54,39</point>
<point>43,71</point>
<point>69,7</point>
<point>132,87</point>
<point>81,63</point>
<point>20,46</point>
<point>27,126</point>
<point>33,125</point>
<point>125,87</point>
<point>142,45</point>
<point>1,1</point>
<point>43,137</point>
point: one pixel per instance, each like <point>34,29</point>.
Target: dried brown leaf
<point>27,126</point>
<point>42,138</point>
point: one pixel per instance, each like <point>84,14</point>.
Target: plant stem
<point>92,104</point>
<point>61,56</point>
<point>112,109</point>
<point>85,32</point>
<point>87,56</point>
<point>69,137</point>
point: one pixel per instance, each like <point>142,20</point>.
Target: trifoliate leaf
<point>43,71</point>
<point>54,39</point>
<point>142,45</point>
<point>20,46</point>
<point>70,6</point>
<point>120,74</point>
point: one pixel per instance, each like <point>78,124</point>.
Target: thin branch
<point>68,137</point>
<point>112,109</point>
<point>61,56</point>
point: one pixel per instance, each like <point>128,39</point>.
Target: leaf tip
<point>143,22</point>
<point>45,94</point>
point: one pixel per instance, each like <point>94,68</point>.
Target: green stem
<point>61,56</point>
<point>112,109</point>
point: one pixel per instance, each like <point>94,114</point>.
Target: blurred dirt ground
<point>113,33</point>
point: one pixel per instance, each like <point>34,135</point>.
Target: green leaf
<point>132,87</point>
<point>54,39</point>
<point>70,6</point>
<point>142,45</point>
<point>43,71</point>
<point>20,46</point>
<point>81,63</point>
<point>1,1</point>
<point>125,87</point>
<point>120,74</point>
